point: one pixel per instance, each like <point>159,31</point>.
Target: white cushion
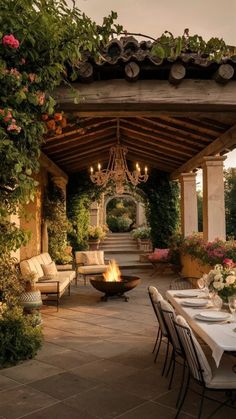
<point>46,258</point>
<point>166,306</point>
<point>156,296</point>
<point>37,265</point>
<point>50,286</point>
<point>95,269</point>
<point>49,269</point>
<point>206,369</point>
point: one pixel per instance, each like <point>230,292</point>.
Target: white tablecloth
<point>220,337</point>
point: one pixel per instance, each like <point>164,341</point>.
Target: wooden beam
<point>141,148</point>
<point>225,141</point>
<point>51,167</point>
<point>86,138</point>
<point>151,95</point>
<point>185,125</point>
<point>84,128</point>
<point>161,136</point>
<point>85,152</point>
<point>70,148</point>
<point>172,149</point>
<point>177,73</point>
<point>224,73</point>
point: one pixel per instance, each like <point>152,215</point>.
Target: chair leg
<point>201,404</point>
<point>84,280</point>
<point>158,333</point>
<point>170,363</point>
<point>166,357</point>
<point>158,348</point>
<point>172,373</point>
<point>183,397</point>
<point>181,384</point>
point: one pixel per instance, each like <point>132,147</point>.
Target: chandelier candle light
<point>117,170</point>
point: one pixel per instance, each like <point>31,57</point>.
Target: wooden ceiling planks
<point>166,141</point>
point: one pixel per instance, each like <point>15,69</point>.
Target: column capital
<point>213,161</point>
<point>60,181</point>
<point>189,176</point>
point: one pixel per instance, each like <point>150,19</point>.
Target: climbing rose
<point>13,127</point>
<point>10,41</point>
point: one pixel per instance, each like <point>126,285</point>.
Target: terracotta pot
<point>93,244</point>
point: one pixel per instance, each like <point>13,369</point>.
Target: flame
<point>113,273</point>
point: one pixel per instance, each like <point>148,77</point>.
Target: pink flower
<point>229,263</point>
<point>41,98</point>
<point>14,127</point>
<point>31,77</point>
<point>10,41</point>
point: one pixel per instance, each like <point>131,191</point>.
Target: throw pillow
<point>159,255</point>
<point>90,258</point>
<point>50,269</point>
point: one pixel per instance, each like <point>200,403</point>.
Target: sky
<point>208,18</point>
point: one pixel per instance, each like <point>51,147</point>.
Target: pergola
<point>175,115</point>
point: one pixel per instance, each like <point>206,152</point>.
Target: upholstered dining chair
<point>208,377</point>
<point>177,353</point>
<point>162,335</point>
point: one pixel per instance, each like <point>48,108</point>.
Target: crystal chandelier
<point>117,170</point>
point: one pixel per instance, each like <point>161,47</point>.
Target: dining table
<point>219,335</point>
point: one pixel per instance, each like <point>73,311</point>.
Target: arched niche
<point>135,198</point>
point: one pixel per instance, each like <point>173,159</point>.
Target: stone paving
<point>97,362</point>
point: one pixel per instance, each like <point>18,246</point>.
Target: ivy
<point>162,208</point>
<point>81,193</point>
<point>169,47</point>
<point>57,223</point>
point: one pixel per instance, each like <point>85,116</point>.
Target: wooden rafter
<point>224,141</point>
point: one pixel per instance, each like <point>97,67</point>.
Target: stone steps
<point>124,249</point>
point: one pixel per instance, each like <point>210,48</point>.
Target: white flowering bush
<point>221,279</point>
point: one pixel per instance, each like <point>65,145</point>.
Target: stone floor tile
<point>152,410</point>
<point>60,411</point>
<point>7,383</point>
<point>146,383</point>
<point>105,402</point>
<point>64,385</point>
<point>67,359</point>
<point>21,401</point>
<point>107,349</point>
<point>104,371</point>
<point>30,371</point>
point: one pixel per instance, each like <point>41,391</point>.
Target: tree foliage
<point>230,202</point>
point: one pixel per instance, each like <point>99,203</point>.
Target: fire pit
<point>112,284</point>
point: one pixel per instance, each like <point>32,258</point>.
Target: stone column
<point>189,216</point>
<point>213,198</point>
<point>94,214</point>
<point>32,222</point>
<point>61,182</point>
<point>140,214</point>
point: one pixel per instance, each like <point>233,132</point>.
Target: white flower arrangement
<point>221,279</point>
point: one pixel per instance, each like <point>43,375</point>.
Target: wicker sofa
<point>53,286</point>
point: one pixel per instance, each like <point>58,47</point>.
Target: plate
<point>213,316</point>
<point>194,303</point>
<point>189,294</point>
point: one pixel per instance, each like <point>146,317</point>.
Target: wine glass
<point>217,302</point>
<point>232,304</point>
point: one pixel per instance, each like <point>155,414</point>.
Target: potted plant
<point>142,235</point>
<point>95,235</point>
